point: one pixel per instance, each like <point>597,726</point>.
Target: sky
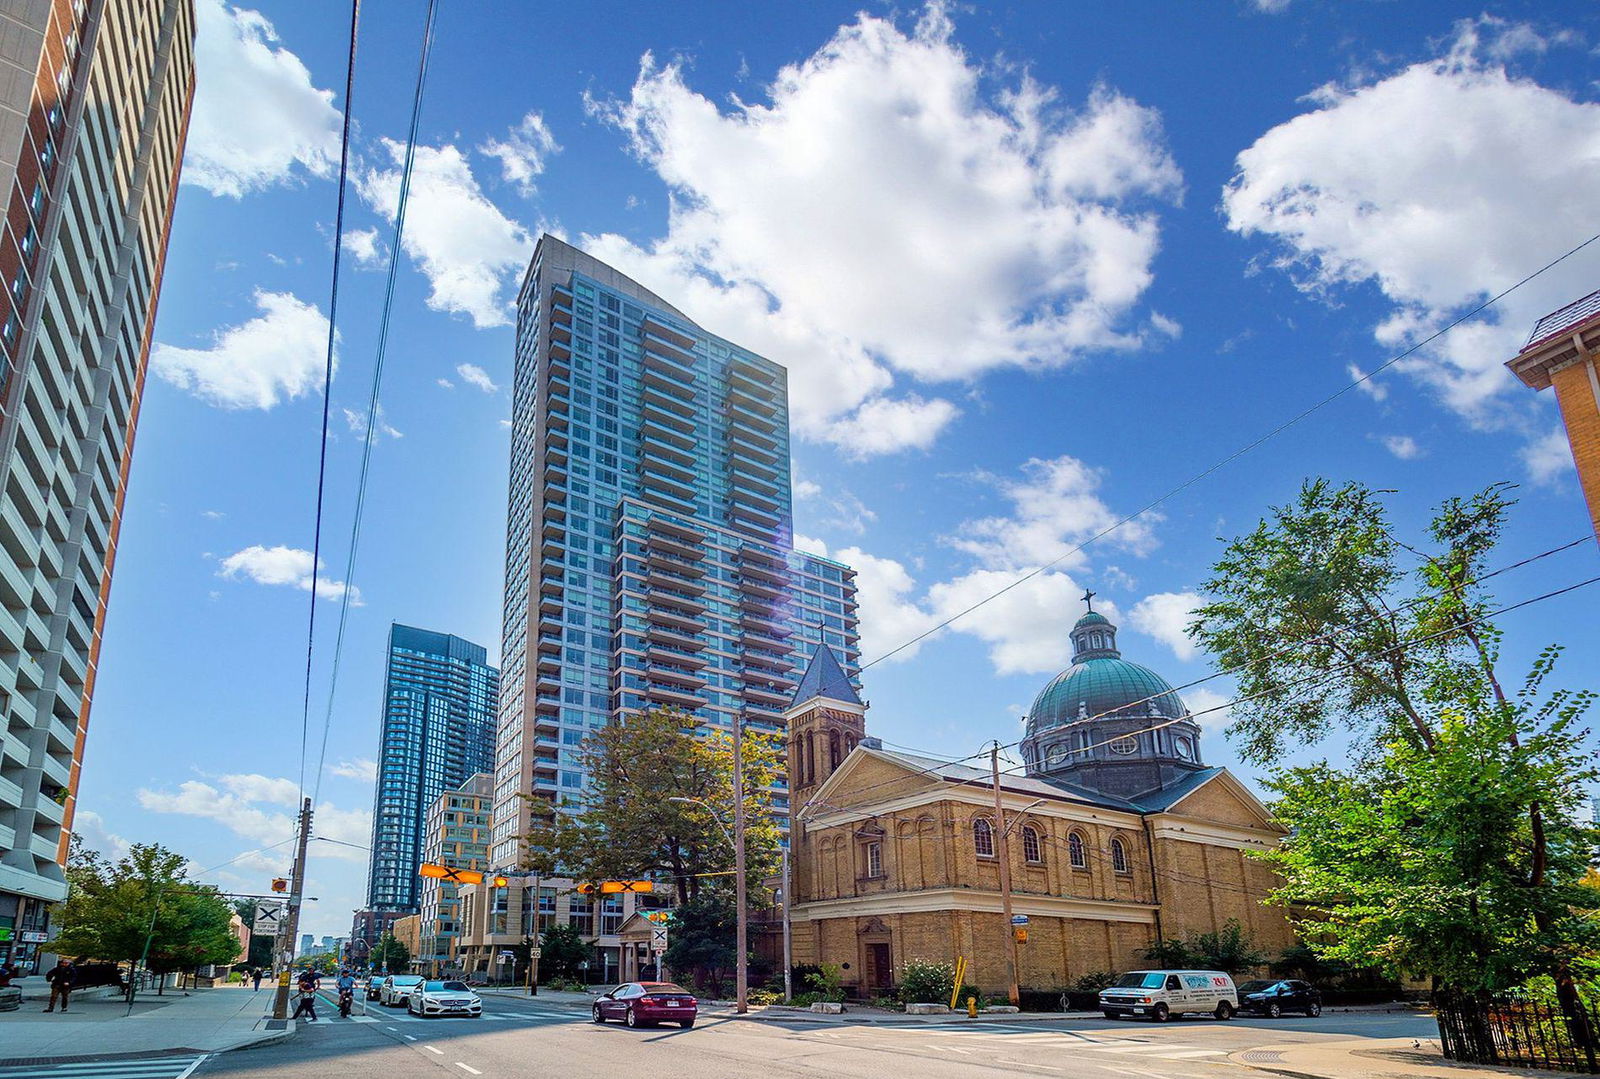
<point>1032,267</point>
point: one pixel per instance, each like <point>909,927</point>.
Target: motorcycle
<point>346,999</point>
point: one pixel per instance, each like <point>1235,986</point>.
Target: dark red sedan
<point>644,1004</point>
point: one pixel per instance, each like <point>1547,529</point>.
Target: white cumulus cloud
<point>361,768</point>
<point>1055,506</point>
<point>1549,457</point>
<point>1166,616</point>
<point>278,356</point>
<point>461,242</point>
<point>474,375</point>
<point>894,208</point>
<point>254,807</point>
<point>1402,446</point>
<point>523,151</point>
<point>283,566</point>
<point>257,120</point>
<point>1440,185</point>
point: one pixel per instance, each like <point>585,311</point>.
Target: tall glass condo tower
<point>438,731</point>
<point>648,553</point>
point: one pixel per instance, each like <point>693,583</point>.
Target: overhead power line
<point>1235,455</point>
<point>327,383</point>
<point>403,199</point>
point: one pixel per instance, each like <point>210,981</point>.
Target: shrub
<point>827,984</point>
<point>763,997</point>
<point>925,981</point>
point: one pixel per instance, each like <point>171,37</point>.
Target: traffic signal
<point>612,887</point>
<point>280,884</point>
<point>457,876</point>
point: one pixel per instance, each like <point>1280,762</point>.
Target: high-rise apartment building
<point>648,553</point>
<point>439,701</point>
<point>456,835</point>
<point>94,108</point>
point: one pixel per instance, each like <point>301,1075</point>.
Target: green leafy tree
<point>561,949</point>
<point>1449,838</point>
<point>628,823</point>
<point>701,946</point>
<point>322,962</point>
<point>390,954</point>
<point>143,908</point>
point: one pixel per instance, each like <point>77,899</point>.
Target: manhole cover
<point>1262,1056</point>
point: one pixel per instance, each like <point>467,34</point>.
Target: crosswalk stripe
<point>1196,1053</point>
<point>124,1068</point>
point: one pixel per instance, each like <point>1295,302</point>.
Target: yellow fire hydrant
<point>972,1007</point>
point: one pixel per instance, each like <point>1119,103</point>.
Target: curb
<point>1271,1069</point>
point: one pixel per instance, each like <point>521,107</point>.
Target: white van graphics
<point>1161,994</point>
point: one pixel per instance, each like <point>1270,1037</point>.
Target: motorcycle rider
<point>347,992</point>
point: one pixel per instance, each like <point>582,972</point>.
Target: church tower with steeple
<point>826,720</point>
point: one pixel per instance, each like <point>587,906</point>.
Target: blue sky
<point>1030,266</point>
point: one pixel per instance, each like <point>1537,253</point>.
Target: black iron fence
<point>1518,1033</point>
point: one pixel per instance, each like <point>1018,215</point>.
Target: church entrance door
<point>880,966</point>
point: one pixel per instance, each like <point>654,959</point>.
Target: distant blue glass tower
<point>439,700</point>
<point>649,560</point>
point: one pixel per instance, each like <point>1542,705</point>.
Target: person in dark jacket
<point>256,976</point>
<point>62,977</point>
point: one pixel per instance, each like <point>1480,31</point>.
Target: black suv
<point>1274,998</point>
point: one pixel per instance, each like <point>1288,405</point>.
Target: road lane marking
<point>468,1068</point>
<point>1025,1064</point>
<point>409,1037</point>
<point>436,1052</point>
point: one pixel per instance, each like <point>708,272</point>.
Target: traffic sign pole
<point>291,921</point>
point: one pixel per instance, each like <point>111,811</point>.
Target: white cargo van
<point>1161,994</point>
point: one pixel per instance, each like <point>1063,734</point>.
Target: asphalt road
<point>520,1038</point>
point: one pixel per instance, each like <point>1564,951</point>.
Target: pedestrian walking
<point>256,976</point>
<point>62,977</point>
<point>7,972</point>
<point>308,997</point>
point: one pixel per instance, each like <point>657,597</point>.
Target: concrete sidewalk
<point>202,1020</point>
<point>1375,1058</point>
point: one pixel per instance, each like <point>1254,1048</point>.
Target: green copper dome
<point>1102,688</point>
<point>1101,684</point>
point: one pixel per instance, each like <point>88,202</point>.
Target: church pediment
<point>1223,799</point>
<point>868,776</point>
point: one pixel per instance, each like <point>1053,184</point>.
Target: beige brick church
<point>1118,834</point>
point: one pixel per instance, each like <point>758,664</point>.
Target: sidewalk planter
<point>927,1009</point>
<point>828,1007</point>
<point>10,998</point>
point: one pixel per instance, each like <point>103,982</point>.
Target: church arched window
<point>1031,850</point>
<point>811,758</point>
<point>1119,857</point>
<point>833,751</point>
<point>1075,852</point>
<point>983,838</point>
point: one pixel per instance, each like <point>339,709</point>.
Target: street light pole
<point>742,958</point>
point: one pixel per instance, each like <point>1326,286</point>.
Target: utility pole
<point>1003,851</point>
<point>742,958</point>
<point>291,922</point>
<point>536,947</point>
<point>788,938</point>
